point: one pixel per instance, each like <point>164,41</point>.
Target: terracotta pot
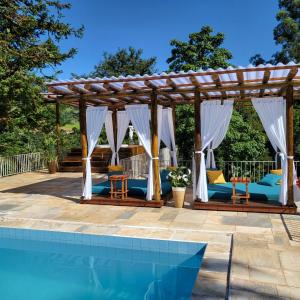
<point>178,196</point>
<point>52,167</point>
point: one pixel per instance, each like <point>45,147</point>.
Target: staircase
<point>100,160</point>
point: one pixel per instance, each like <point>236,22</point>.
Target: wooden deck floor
<point>253,206</point>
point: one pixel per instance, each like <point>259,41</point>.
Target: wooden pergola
<point>171,89</point>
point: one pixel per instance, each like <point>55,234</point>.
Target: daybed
<point>257,191</point>
<point>136,187</point>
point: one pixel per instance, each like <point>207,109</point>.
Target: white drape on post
<point>272,113</point>
<point>211,114</point>
<point>140,118</point>
<point>95,118</point>
<point>167,133</point>
<point>215,143</point>
<point>110,136</point>
<point>123,123</point>
<point>159,124</point>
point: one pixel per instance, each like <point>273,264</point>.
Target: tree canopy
<point>286,34</point>
<point>30,35</point>
<point>202,50</point>
<point>124,62</point>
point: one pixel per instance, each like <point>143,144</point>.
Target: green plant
<point>180,177</point>
<point>50,141</point>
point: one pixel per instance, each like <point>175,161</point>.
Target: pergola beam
<point>264,81</point>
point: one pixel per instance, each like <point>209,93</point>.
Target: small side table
<point>235,195</point>
<point>114,191</point>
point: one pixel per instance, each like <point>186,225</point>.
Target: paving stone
<point>252,221</point>
<point>292,278</point>
<point>266,275</point>
<point>288,292</point>
<point>290,260</point>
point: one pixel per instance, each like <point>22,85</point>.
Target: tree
<point>203,50</point>
<point>30,33</point>
<point>286,33</point>
<point>242,142</point>
<point>124,62</point>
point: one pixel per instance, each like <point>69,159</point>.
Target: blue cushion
<point>164,175</point>
<point>257,192</point>
<point>270,179</point>
<point>136,187</point>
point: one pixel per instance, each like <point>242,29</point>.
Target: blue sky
<point>150,25</point>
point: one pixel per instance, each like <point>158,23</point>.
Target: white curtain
<point>140,118</point>
<point>110,136</point>
<point>167,133</point>
<point>123,123</point>
<point>95,118</point>
<point>215,143</point>
<point>211,114</point>
<point>272,113</point>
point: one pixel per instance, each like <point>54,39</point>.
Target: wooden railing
<point>22,163</point>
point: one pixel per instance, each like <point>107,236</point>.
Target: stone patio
<point>253,252</point>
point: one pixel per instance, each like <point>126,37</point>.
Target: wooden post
<point>155,150</point>
<point>115,128</point>
<point>197,115</point>
<point>290,142</point>
<point>58,129</point>
<point>83,137</point>
<point>173,106</point>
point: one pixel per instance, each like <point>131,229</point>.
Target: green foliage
<point>124,62</point>
<point>203,50</point>
<point>29,35</point>
<point>30,32</point>
<point>180,177</point>
<point>185,130</point>
<point>286,34</point>
<point>242,141</point>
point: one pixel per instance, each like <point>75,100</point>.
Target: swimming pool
<point>48,265</point>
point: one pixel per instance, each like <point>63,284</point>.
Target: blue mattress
<point>257,191</point>
<point>136,187</point>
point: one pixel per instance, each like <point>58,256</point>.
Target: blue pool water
<point>44,265</point>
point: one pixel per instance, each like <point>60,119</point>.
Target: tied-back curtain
<point>140,118</point>
<point>159,124</point>
<point>272,113</point>
<point>212,114</point>
<point>123,124</point>
<point>167,133</point>
<point>110,136</point>
<point>95,118</point>
<point>217,140</point>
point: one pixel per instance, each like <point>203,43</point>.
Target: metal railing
<point>137,166</point>
<point>22,163</point>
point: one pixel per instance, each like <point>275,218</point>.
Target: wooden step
<point>79,169</point>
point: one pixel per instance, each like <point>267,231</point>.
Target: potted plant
<point>180,178</point>
<point>50,153</point>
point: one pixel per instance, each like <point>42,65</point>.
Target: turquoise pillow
<point>270,180</point>
<point>114,173</point>
<point>164,175</point>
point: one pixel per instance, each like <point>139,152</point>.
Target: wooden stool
<point>114,191</point>
<point>235,195</point>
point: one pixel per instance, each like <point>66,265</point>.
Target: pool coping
<point>213,277</point>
